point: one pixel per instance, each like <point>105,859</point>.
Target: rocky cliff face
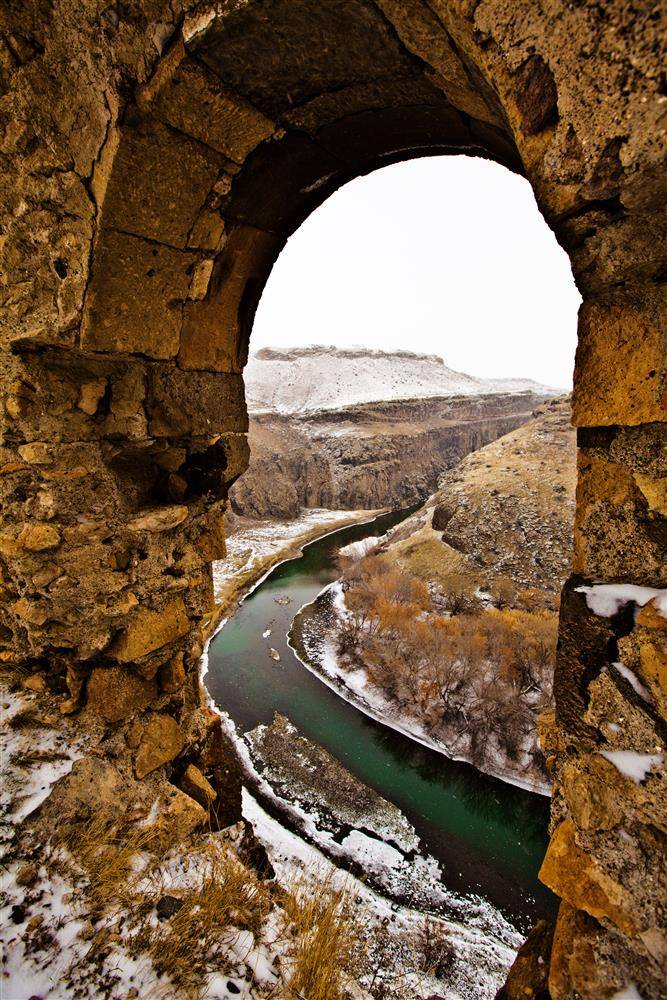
<point>507,510</point>
<point>376,454</point>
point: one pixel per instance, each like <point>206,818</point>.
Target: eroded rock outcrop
<point>383,454</point>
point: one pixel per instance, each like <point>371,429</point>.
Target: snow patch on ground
<point>250,547</point>
<point>482,958</point>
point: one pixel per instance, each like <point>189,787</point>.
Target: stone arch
<point>201,139</point>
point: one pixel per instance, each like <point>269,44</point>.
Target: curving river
<point>488,836</point>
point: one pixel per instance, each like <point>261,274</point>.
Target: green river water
<point>488,836</point>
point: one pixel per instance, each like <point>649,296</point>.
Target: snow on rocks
<point>607,599</point>
<point>633,680</point>
<point>483,952</point>
<point>633,765</point>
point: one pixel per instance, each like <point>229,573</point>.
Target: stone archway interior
<point>159,157</point>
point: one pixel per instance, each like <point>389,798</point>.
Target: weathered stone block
<point>194,784</point>
<point>157,183</point>
<point>194,100</point>
<point>161,742</point>
<point>577,877</point>
<point>115,693</point>
<point>216,330</point>
<point>172,674</point>
<point>618,369</point>
<point>184,404</point>
<point>135,298</point>
<point>160,519</point>
<point>150,629</point>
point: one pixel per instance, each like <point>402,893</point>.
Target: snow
<point>370,852</point>
<point>632,679</point>
<point>357,550</point>
<point>484,954</point>
<point>633,765</point>
<point>258,546</point>
<point>607,599</point>
<point>297,380</point>
<point>629,992</point>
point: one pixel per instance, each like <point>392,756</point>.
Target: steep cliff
<point>375,454</point>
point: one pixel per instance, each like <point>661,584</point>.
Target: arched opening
<point>142,233</point>
<point>351,410</point>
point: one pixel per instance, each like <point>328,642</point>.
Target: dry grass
<point>26,717</point>
<point>108,853</point>
<point>324,950</point>
<point>229,897</point>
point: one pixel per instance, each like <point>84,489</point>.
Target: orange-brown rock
<point>620,358</point>
<point>172,674</point>
<point>194,783</point>
<point>150,629</point>
<point>527,978</point>
<point>115,693</point>
<point>161,742</point>
<point>578,878</point>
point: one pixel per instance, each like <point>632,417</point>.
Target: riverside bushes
<point>474,674</point>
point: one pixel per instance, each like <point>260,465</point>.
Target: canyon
<point>361,429</point>
<point>156,157</point>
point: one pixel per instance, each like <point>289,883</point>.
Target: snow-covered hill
<point>295,380</point>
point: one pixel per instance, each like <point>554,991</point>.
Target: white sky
<point>447,255</point>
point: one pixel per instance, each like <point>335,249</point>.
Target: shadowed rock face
<point>388,454</point>
<point>156,159</point>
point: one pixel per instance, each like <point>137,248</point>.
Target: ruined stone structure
<point>156,156</point>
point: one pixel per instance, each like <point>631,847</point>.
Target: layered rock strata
<point>385,454</point>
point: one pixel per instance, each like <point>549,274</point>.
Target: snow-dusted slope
<point>294,380</point>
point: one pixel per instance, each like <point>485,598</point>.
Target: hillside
<point>446,629</point>
<point>295,380</point>
<point>506,510</point>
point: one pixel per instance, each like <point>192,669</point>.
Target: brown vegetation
<point>466,670</point>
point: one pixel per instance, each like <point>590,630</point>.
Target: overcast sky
<point>446,255</point>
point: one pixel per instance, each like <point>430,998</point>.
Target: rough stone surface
<point>194,783</point>
<point>161,742</point>
<point>116,693</point>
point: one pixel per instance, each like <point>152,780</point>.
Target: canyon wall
<point>384,454</point>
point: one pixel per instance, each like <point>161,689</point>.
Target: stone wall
<point>155,158</point>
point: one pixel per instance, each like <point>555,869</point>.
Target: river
<point>488,836</point>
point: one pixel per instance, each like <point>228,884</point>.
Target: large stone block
<point>136,297</point>
<point>619,368</point>
<point>161,742</point>
<point>578,878</point>
<point>156,182</point>
<point>206,404</point>
<point>216,330</point>
<point>116,693</point>
<point>194,100</point>
<point>149,629</point>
